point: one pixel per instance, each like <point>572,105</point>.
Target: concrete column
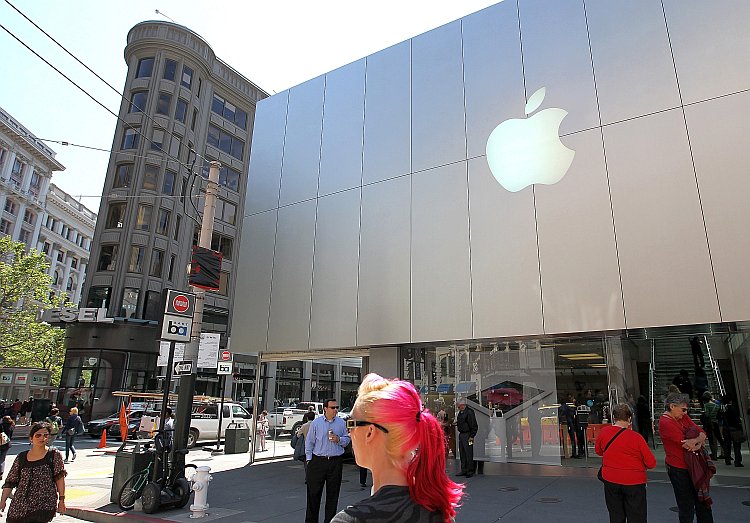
<point>66,275</point>
<point>384,361</point>
<point>37,228</point>
<point>307,380</point>
<point>26,177</point>
<point>5,174</point>
<point>3,197</point>
<point>19,221</point>
<point>337,381</point>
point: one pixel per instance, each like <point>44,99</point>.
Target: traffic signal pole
<point>187,382</point>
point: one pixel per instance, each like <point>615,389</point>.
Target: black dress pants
<point>467,453</point>
<point>688,504</point>
<point>323,472</point>
<point>625,503</point>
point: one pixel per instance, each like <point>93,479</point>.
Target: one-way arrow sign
<point>183,368</point>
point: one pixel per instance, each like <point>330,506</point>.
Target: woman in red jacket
<point>624,467</point>
<point>672,425</point>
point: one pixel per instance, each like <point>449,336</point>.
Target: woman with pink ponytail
<point>403,445</point>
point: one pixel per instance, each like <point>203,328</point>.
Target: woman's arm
<point>60,483</point>
<point>4,498</point>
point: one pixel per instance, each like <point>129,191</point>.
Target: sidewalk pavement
<point>274,492</point>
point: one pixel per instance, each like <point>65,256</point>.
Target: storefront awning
<point>466,387</point>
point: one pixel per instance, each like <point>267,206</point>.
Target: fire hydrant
<point>200,486</point>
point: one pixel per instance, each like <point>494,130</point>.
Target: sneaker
<point>66,461</point>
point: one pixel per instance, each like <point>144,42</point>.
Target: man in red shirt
<point>672,425</point>
<point>624,467</point>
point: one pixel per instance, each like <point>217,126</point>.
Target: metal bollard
<point>200,486</point>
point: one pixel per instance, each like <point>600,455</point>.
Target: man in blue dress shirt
<point>324,446</point>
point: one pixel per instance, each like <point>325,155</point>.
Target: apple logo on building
<point>522,152</point>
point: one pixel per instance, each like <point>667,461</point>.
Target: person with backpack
<point>298,438</point>
<point>73,427</point>
<point>38,477</point>
<point>7,425</point>
<point>54,421</point>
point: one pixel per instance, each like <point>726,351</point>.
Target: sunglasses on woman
<point>352,423</point>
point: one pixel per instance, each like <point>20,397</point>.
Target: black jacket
<point>466,421</point>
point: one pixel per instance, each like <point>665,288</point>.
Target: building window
<point>162,225</point>
<point>164,103</point>
<point>69,286</point>
<point>129,302</point>
<point>195,118</point>
<point>150,174</point>
<point>46,247</point>
<point>157,263</point>
<point>222,244</point>
<point>171,267</point>
<point>122,176</point>
<point>24,236</point>
<point>55,278</point>
<point>187,77</point>
<point>223,141</point>
<point>200,85</point>
<point>10,207</point>
<point>143,221</point>
<point>130,139</point>
<point>175,146</point>
<point>229,111</point>
<point>178,220</point>
<point>152,306</point>
<point>16,176</point>
<point>73,263</point>
<point>168,186</point>
<point>181,110</point>
<point>170,69</point>
<point>60,256</point>
<point>228,177</point>
<point>4,227</point>
<point>157,140</point>
<point>138,104</point>
<point>115,216</point>
<point>28,217</point>
<point>35,185</point>
<point>223,284</point>
<point>145,67</point>
<point>99,297</point>
<point>136,259</point>
<point>108,258</point>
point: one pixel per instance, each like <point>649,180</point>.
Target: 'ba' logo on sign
<point>179,328</point>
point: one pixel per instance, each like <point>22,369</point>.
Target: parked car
<point>134,422</point>
<point>291,418</point>
<point>97,426</point>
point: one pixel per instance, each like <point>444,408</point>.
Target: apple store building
<point>540,208</point>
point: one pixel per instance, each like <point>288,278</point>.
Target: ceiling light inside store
<point>583,356</point>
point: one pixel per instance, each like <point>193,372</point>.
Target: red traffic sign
<point>226,355</point>
<point>181,303</point>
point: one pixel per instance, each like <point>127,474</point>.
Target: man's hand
<point>336,438</point>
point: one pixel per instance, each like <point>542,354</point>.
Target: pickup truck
<point>289,419</point>
<point>204,421</point>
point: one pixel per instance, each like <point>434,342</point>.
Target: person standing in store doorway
<point>324,447</point>
<point>466,423</point>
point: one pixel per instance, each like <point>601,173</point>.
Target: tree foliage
<point>24,291</point>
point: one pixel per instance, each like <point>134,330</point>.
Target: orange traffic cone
<point>103,441</point>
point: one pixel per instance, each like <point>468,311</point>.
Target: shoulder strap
<point>613,438</point>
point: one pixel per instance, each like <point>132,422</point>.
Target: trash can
<point>132,456</point>
<point>236,439</point>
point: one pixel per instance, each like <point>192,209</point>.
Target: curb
<point>99,516</point>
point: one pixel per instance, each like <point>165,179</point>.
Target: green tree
<point>24,291</point>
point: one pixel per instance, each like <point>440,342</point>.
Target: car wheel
<point>192,438</point>
<point>151,498</point>
<point>295,427</point>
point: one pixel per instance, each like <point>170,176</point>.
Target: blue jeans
<point>69,441</point>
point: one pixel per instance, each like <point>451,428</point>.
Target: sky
<point>276,44</point>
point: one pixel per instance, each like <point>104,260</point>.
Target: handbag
<point>599,474</point>
<point>737,435</point>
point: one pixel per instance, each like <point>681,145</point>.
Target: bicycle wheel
<point>131,490</point>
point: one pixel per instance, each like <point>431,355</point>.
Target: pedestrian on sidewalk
<point>55,422</point>
<point>672,427</point>
<point>625,458</point>
<point>403,445</point>
<point>73,427</point>
<point>7,425</point>
<point>732,432</point>
<point>38,477</point>
<point>324,447</point>
<point>466,423</point>
<point>262,430</point>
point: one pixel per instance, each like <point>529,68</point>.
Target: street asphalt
<point>274,491</point>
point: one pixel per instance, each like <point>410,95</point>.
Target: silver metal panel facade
<point>437,129</point>
<point>384,277</point>
<point>256,257</point>
<point>266,155</point>
<point>387,147</point>
<point>299,174</point>
<point>493,72</point>
<point>580,288</point>
<point>343,115</point>
<point>441,290</point>
<point>634,79</point>
<point>289,325</point>
<point>664,261</point>
<point>720,139</point>
<point>620,241</point>
<point>504,262</point>
<point>334,299</point>
<point>714,60</point>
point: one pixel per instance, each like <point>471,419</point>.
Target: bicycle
<point>149,483</point>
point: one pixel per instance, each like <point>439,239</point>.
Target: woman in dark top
<point>38,477</point>
<point>403,445</point>
<point>7,425</point>
<point>73,426</point>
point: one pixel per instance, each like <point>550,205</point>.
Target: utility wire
<point>112,151</point>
